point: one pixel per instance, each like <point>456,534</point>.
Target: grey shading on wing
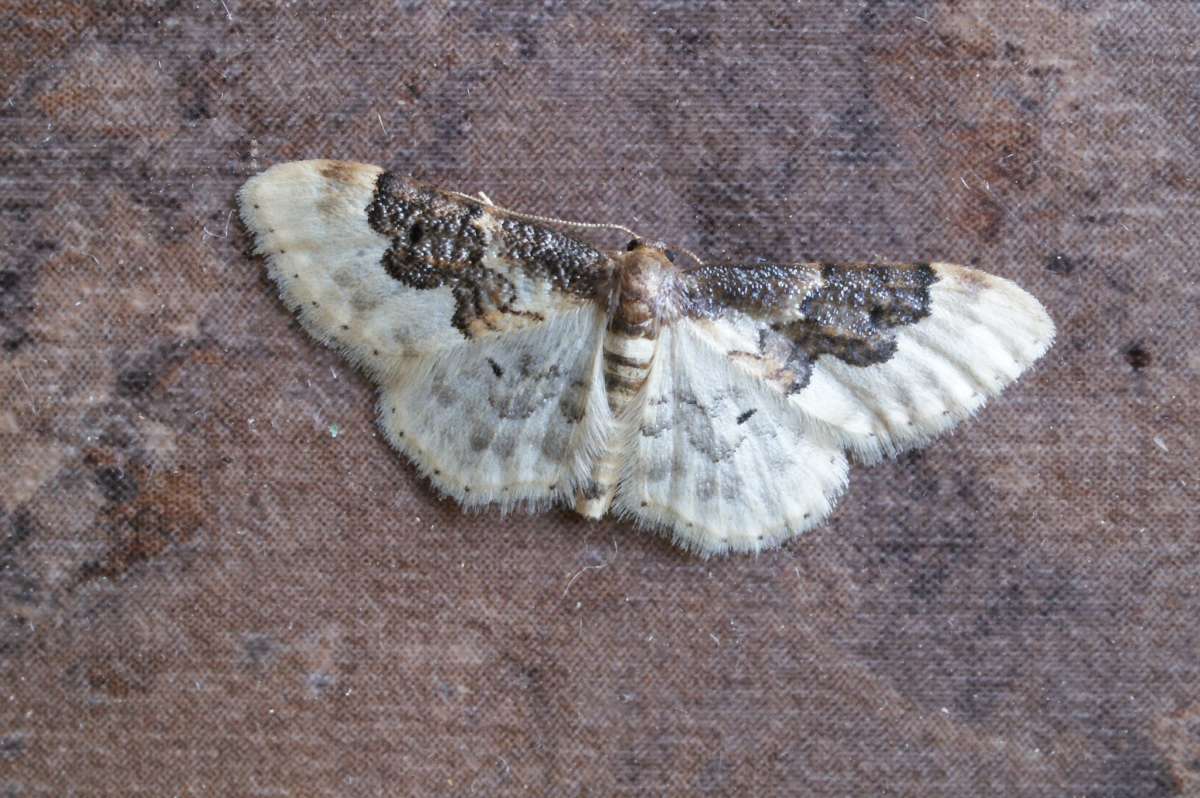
<point>885,356</point>
<point>766,375</point>
<point>482,331</point>
<point>720,459</point>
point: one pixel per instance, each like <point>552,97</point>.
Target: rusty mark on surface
<point>144,523</point>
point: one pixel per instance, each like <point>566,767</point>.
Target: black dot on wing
<point>744,417</point>
<point>496,369</point>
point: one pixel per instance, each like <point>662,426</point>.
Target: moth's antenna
<point>533,217</point>
<point>691,255</point>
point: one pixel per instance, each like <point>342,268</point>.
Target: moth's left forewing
<point>389,270</point>
<point>483,331</point>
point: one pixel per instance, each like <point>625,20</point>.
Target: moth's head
<point>652,249</point>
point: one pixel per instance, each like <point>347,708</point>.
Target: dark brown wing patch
<point>801,312</point>
<point>442,240</point>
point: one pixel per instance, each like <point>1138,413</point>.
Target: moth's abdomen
<point>630,341</point>
<point>626,365</point>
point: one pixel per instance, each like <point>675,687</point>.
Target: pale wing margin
<point>717,458</point>
<point>309,220</point>
<point>981,333</point>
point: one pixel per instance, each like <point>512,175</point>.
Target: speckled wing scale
<point>522,367</point>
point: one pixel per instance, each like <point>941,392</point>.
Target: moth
<point>718,404</point>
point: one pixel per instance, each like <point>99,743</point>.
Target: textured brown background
<point>207,591</point>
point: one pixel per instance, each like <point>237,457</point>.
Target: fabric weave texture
<point>217,579</point>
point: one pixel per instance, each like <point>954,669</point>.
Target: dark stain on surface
<point>12,746</point>
<point>16,301</point>
<point>141,374</point>
<point>259,650</point>
<point>1133,766</point>
<point>527,43</point>
<point>1138,357</point>
<point>134,381</point>
<point>18,587</point>
<point>1060,264</point>
<point>194,82</point>
<point>20,530</point>
<point>116,485</point>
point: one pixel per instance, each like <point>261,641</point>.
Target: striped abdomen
<point>629,344</point>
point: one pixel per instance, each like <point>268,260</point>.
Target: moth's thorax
<point>644,283</point>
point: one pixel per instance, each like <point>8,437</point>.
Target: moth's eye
<point>632,245</point>
<point>670,253</point>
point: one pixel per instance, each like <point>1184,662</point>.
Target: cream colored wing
<point>513,419</point>
<point>980,334</point>
<point>885,356</point>
<point>386,270</point>
<point>718,457</point>
<point>483,331</point>
<point>765,375</point>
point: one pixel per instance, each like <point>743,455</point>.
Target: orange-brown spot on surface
<point>144,524</point>
<point>973,57</point>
